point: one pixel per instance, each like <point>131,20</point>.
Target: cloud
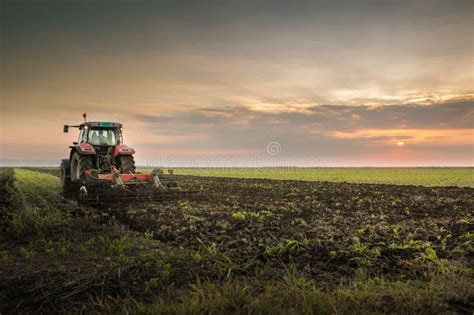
<point>447,115</point>
<point>323,131</point>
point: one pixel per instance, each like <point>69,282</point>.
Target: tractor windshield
<point>104,137</point>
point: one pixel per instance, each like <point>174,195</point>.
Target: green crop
<point>435,176</point>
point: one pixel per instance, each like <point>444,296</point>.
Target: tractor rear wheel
<point>126,164</point>
<point>79,164</point>
<point>64,174</point>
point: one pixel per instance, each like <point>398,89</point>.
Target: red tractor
<point>101,166</point>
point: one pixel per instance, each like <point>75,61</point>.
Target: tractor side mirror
<point>66,129</point>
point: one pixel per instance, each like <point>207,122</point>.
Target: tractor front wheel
<point>79,164</point>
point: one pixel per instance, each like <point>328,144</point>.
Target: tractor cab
<point>100,133</point>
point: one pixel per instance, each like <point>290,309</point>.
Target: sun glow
<point>415,136</point>
<point>400,143</point>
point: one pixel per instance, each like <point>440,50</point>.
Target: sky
<point>242,83</point>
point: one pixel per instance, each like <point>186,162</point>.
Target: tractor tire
<point>126,164</point>
<point>65,175</point>
<point>79,164</point>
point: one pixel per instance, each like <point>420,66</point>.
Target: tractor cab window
<point>83,136</point>
<point>104,137</point>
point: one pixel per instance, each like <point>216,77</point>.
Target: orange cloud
<point>410,136</point>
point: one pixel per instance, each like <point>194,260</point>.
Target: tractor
<point>101,166</point>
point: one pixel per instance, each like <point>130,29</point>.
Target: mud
<point>327,231</point>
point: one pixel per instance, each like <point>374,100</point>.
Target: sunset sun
<point>400,143</point>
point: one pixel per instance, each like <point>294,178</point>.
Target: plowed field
<point>326,230</point>
<point>244,246</point>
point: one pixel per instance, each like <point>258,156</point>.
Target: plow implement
<point>96,189</point>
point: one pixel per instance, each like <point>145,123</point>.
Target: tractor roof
<point>100,124</point>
